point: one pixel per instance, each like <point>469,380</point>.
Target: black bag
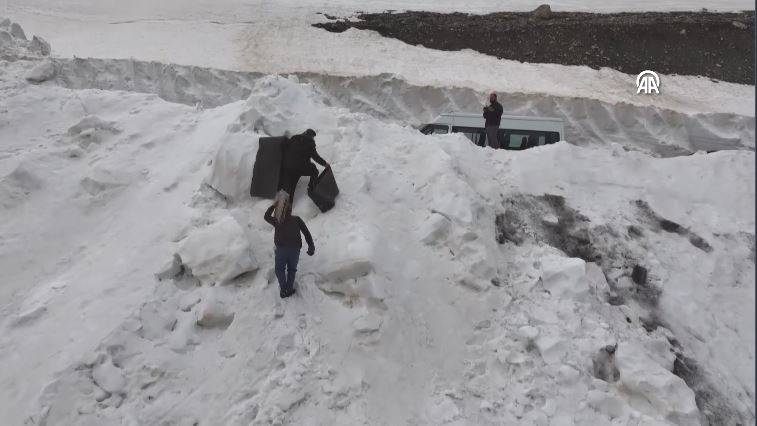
<point>266,171</point>
<point>324,191</point>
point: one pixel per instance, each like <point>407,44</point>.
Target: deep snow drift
<point>474,289</point>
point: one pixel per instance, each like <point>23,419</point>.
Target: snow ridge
<point>651,129</point>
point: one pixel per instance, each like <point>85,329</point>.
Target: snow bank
<point>664,132</point>
<point>218,252</point>
<point>232,166</point>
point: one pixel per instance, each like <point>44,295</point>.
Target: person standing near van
<point>288,243</point>
<point>296,162</point>
<point>493,116</point>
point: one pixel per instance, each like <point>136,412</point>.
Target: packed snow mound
<point>564,278</point>
<point>92,131</point>
<point>14,44</point>
<point>263,116</point>
<point>588,121</point>
<point>232,166</point>
<point>276,103</point>
<point>42,72</point>
<point>450,283</point>
<point>217,253</point>
<point>655,385</point>
<point>90,123</point>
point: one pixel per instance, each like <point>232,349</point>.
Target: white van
<point>514,132</point>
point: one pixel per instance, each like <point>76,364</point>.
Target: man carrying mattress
<point>296,162</point>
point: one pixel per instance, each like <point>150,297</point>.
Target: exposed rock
<point>543,12</point>
<point>509,228</point>
<point>639,275</point>
<point>604,366</point>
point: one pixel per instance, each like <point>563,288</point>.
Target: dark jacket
<point>298,152</point>
<point>493,114</point>
<point>287,233</point>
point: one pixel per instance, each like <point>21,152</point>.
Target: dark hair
<point>310,132</point>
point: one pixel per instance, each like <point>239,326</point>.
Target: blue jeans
<point>286,266</point>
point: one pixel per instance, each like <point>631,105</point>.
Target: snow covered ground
<point>446,293</point>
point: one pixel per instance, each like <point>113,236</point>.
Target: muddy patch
<point>619,252</point>
<point>713,406</point>
<point>657,223</point>
<point>550,220</point>
<point>715,45</point>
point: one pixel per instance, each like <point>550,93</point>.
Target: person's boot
<point>286,293</point>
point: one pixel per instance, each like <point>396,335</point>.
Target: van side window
<point>435,129</point>
<point>517,140</point>
<point>523,139</point>
<point>476,135</point>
